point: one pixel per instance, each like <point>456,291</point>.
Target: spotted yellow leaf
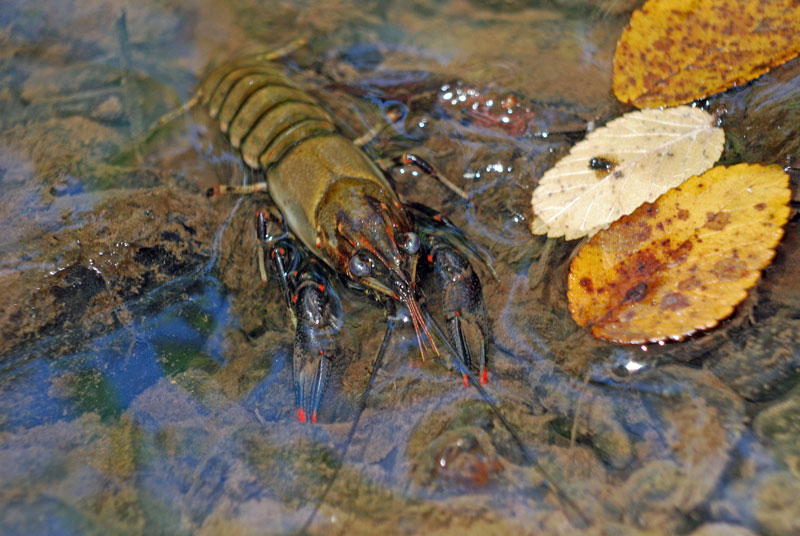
<point>677,51</point>
<point>630,161</point>
<point>684,262</point>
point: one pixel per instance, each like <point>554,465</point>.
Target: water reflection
<point>110,371</point>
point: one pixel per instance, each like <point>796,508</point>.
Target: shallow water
<point>145,372</point>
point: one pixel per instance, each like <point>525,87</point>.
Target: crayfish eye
<point>359,265</point>
<point>410,242</point>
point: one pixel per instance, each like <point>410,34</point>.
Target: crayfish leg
<point>244,189</point>
<point>411,159</point>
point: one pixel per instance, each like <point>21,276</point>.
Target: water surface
<point>145,371</point>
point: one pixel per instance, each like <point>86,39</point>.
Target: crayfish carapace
<point>337,205</point>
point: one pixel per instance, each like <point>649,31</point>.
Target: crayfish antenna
<point>421,328</point>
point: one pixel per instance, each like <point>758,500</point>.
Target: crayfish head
<point>366,230</point>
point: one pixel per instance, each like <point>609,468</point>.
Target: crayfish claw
<point>467,330</point>
<point>463,308</point>
<point>318,314</point>
<point>313,307</point>
<point>310,381</point>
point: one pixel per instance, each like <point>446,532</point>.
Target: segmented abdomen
<point>261,112</point>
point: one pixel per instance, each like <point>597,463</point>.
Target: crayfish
<point>334,204</point>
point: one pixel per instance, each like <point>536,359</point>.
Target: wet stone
<point>721,529</point>
<point>655,483</point>
<point>109,110</point>
<point>735,501</point>
<point>764,363</point>
<point>761,123</point>
<point>119,252</point>
<point>779,427</point>
<point>776,507</point>
<point>591,419</point>
<point>50,81</point>
<point>49,511</point>
<point>67,473</point>
<point>697,422</point>
<point>52,144</point>
<point>461,458</point>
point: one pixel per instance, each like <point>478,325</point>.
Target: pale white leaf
<point>630,161</point>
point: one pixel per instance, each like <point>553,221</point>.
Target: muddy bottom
<point>146,369</point>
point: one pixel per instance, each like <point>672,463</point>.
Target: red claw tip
<point>465,380</point>
<point>321,287</point>
<point>301,415</point>
<point>314,416</point>
<point>484,377</point>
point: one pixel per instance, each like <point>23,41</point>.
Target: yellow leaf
<point>684,262</point>
<point>630,161</point>
<point>676,51</point>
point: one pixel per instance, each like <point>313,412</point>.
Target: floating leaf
<point>684,262</point>
<point>676,51</point>
<point>632,160</point>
